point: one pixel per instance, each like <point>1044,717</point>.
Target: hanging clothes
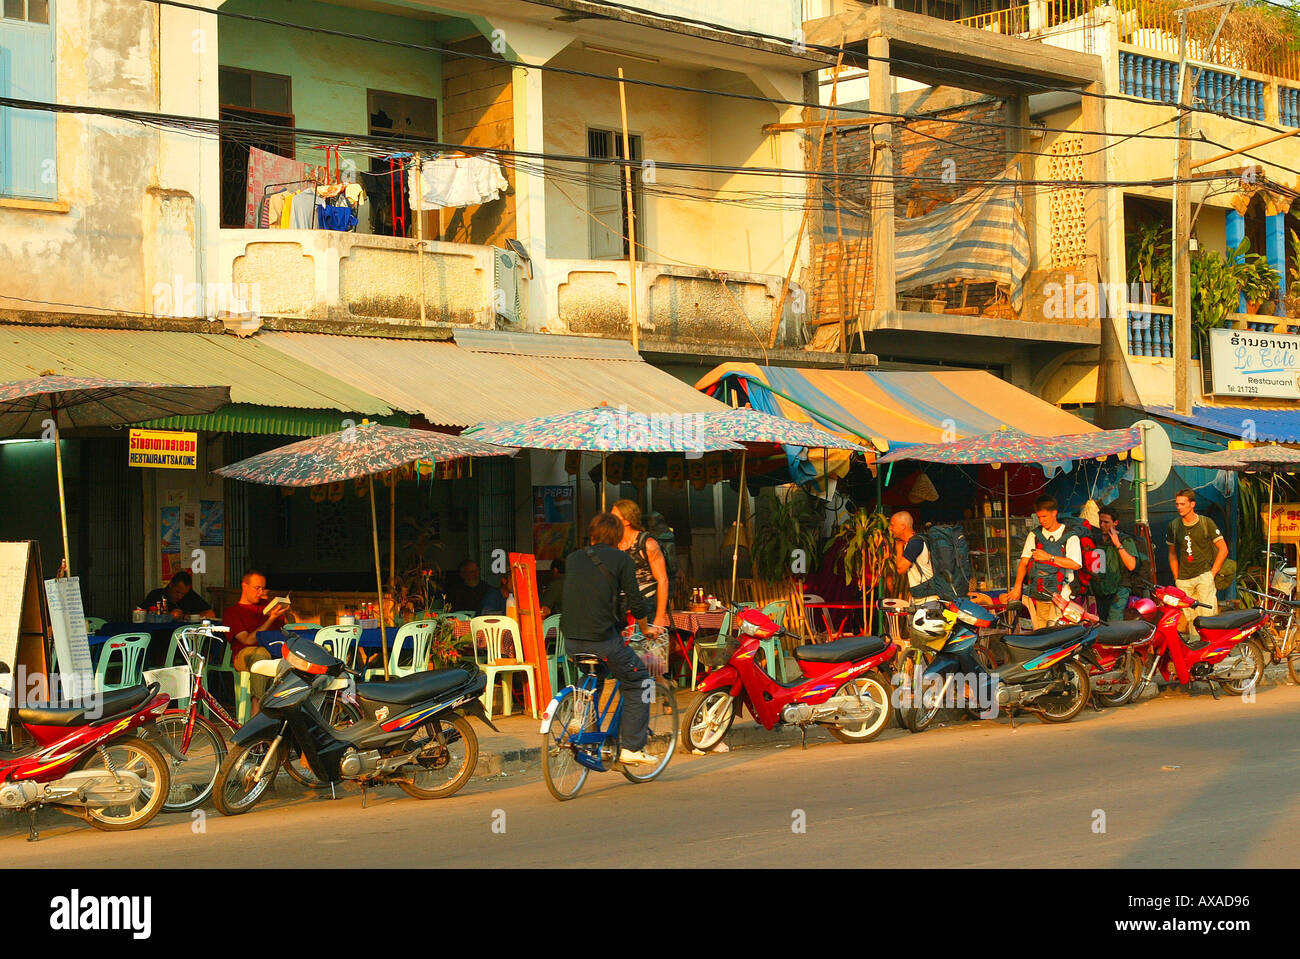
<point>383,190</point>
<point>267,168</point>
<point>455,182</point>
<point>302,211</point>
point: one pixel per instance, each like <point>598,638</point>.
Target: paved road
<point>1182,781</point>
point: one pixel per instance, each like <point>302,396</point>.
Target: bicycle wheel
<point>447,757</point>
<point>661,741</point>
<point>563,773</point>
<point>342,715</point>
<point>918,706</point>
<point>193,779</point>
<point>130,755</point>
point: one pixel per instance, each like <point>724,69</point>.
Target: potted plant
<point>1150,259</point>
<point>867,549</point>
<point>1256,280</point>
<point>445,648</point>
<point>786,532</point>
<point>1215,292</point>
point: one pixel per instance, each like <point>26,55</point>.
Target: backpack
<point>950,560</point>
<point>663,534</point>
<point>1089,537</point>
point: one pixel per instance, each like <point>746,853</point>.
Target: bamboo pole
<point>379,585</point>
<point>604,482</point>
<point>63,503</point>
<point>631,218</point>
<point>740,509</point>
<point>1006,516</point>
<point>392,537</point>
<point>1268,534</point>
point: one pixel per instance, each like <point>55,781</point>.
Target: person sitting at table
<point>246,619</point>
<point>469,589</point>
<point>180,597</point>
<point>552,599</point>
<point>495,598</point>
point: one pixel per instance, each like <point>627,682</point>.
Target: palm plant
<point>788,532</point>
<point>1150,258</point>
<point>867,550</point>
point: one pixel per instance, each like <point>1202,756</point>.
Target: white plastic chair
<point>419,635</point>
<point>492,630</point>
<point>341,641</point>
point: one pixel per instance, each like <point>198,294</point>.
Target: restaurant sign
<point>163,449</point>
<point>1284,523</point>
<point>1244,363</point>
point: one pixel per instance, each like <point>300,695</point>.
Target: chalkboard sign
<point>23,626</point>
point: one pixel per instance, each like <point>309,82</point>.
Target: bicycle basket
<point>715,655</point>
<point>653,652</point>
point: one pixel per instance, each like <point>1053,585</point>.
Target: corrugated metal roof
<point>276,421</point>
<point>255,373</point>
<point>451,386</point>
<point>1280,425</point>
<point>546,344</point>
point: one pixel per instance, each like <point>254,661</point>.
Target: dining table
<point>835,630</point>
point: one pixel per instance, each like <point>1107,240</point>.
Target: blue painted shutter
<point>27,148</point>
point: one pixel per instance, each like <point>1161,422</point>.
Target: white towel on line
<point>453,182</point>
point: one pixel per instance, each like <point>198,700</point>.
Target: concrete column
<point>1275,247</point>
<point>1037,15</point>
<point>530,191</point>
<point>881,99</point>
<point>1234,231</point>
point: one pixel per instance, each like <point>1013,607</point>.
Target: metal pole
<point>1268,534</point>
<point>740,508</point>
<point>63,504</point>
<point>604,481</point>
<point>1182,229</point>
<point>379,584</point>
<point>392,535</point>
<point>1006,516</point>
<point>419,253</point>
<point>631,217</point>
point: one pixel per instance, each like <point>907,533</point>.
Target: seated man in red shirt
<point>246,619</point>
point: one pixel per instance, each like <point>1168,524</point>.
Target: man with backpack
<point>1197,551</point>
<point>1048,563</point>
<point>912,557</point>
<point>1112,583</point>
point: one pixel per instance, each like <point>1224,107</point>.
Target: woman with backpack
<point>651,568</point>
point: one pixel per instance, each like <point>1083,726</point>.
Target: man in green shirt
<point>1196,552</point>
<point>1113,583</point>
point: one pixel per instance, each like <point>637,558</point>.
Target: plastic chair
<point>94,624</point>
<point>341,641</point>
<point>723,633</point>
<point>300,627</point>
<point>557,662</point>
<point>129,648</point>
<point>493,629</point>
<point>464,615</point>
<point>772,647</point>
<point>224,665</point>
<point>419,634</point>
<point>243,696</point>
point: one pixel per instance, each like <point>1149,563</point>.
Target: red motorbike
<point>1115,661</point>
<point>91,757</point>
<point>1226,652</point>
<point>840,688</point>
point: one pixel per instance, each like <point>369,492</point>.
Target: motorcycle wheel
<point>192,780</point>
<point>985,658</point>
<point>560,767</point>
<point>344,715</point>
<point>1293,666</point>
<point>922,708</point>
<point>1250,648</point>
<point>1121,694</point>
<point>1071,703</point>
<point>661,740</point>
<point>133,755</point>
<point>236,791</point>
<point>455,756</point>
<point>709,721</point>
<point>868,686</point>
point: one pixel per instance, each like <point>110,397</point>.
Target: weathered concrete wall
<point>776,17</point>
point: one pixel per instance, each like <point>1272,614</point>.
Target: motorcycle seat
<point>1123,633</point>
<point>429,684</point>
<point>1231,620</point>
<point>845,650</point>
<point>71,714</point>
<point>1046,638</point>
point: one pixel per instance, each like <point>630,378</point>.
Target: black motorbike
<point>414,731</point>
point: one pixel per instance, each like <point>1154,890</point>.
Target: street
<point>1177,781</point>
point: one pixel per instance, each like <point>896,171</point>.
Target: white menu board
<point>13,582</point>
<point>1246,363</point>
<point>68,623</point>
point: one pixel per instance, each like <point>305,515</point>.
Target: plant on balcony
<point>1150,258</point>
<point>1215,291</point>
<point>1292,299</point>
<point>1256,280</point>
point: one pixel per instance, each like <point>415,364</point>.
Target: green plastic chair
<point>772,647</point>
<point>128,649</point>
<point>224,665</point>
<point>300,627</point>
<point>341,641</point>
<point>557,662</point>
<point>723,633</point>
<point>94,624</point>
<point>419,636</point>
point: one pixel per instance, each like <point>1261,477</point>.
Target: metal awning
<point>1253,423</point>
<point>488,376</point>
<point>269,391</point>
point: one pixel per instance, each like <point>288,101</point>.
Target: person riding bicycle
<point>592,622</point>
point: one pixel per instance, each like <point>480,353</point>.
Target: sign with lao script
<point>1284,522</point>
<point>1244,363</point>
<point>163,449</point>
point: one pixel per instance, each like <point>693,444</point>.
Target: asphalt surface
<point>1181,780</point>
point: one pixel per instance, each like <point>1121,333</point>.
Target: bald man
<point>912,557</point>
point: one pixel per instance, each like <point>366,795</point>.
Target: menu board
<point>1284,522</point>
<point>68,623</point>
<point>22,622</point>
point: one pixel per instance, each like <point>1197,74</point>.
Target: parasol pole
<point>1006,519</point>
<point>604,481</point>
<point>392,541</point>
<point>740,507</point>
<point>63,503</point>
<point>379,584</point>
<point>1268,533</point>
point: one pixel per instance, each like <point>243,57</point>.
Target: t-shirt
<point>191,603</point>
<point>553,596</point>
<point>1194,545</point>
<point>462,597</point>
<point>591,592</point>
<point>916,552</point>
<point>244,618</point>
<point>1073,550</point>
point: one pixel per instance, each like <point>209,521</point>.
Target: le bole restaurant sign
<point>1244,363</point>
<point>163,449</point>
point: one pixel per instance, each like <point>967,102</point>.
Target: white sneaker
<point>629,758</point>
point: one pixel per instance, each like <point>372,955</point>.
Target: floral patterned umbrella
<point>26,406</point>
<point>1013,446</point>
<point>351,453</point>
<point>747,425</point>
<point>607,429</point>
<point>354,452</point>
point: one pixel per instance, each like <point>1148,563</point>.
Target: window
<point>607,196</point>
<point>402,117</point>
<point>28,164</point>
<point>247,96</point>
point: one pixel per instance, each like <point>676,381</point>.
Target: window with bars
<point>250,96</point>
<point>607,196</point>
<point>28,164</point>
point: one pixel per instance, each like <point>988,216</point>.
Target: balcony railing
<point>1153,78</point>
<point>1288,107</point>
<point>1151,329</point>
<point>1011,21</point>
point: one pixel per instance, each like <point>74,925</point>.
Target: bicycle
<point>1282,635</point>
<point>200,740</point>
<point>580,735</point>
